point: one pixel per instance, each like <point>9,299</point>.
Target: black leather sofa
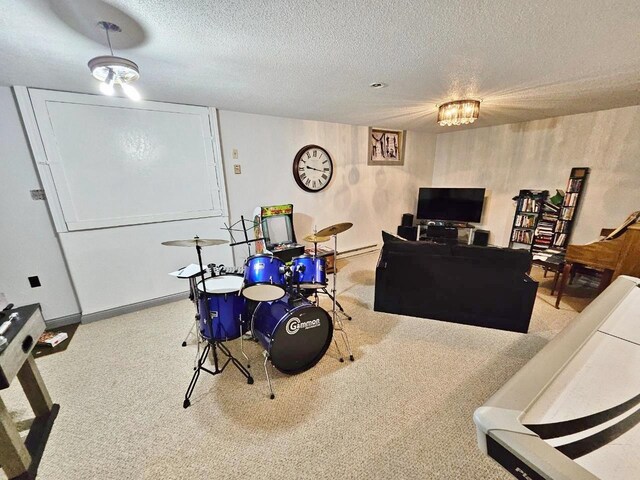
<point>483,286</point>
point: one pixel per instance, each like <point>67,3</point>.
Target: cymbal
<point>315,239</point>
<point>334,229</point>
<point>193,242</point>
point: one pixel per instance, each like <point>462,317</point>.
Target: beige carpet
<point>402,410</point>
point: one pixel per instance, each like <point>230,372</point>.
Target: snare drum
<point>264,278</point>
<point>221,308</point>
<point>295,333</point>
<point>309,271</point>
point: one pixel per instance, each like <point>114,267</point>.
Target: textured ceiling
<point>315,59</point>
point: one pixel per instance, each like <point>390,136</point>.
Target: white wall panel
<point>116,162</point>
<point>113,267</point>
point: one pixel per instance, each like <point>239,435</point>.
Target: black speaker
<point>408,233</point>
<point>407,220</point>
<point>481,237</point>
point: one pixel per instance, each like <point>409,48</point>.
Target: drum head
<point>263,292</point>
<point>301,339</point>
<point>221,284</point>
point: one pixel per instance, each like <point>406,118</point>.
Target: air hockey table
<point>573,411</point>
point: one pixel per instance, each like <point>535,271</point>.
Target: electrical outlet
<point>237,170</point>
<point>38,194</point>
<point>235,153</point>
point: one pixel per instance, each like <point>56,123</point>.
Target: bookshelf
<point>568,210</point>
<point>529,209</point>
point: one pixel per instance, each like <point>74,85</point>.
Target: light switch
<point>38,194</point>
<point>237,170</point>
<point>235,155</point>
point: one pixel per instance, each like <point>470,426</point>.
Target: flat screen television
<point>450,204</point>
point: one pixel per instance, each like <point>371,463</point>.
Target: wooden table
<point>556,265</point>
<point>19,459</point>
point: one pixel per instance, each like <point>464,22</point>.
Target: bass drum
<point>295,333</point>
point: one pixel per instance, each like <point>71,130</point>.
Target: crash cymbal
<point>315,239</point>
<point>193,242</point>
<point>334,229</point>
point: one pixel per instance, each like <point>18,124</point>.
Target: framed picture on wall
<point>386,147</point>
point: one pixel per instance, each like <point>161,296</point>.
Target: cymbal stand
<point>316,300</point>
<point>211,346</point>
<point>337,321</point>
<point>193,296</point>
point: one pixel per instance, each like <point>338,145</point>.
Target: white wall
<point>372,198</point>
<point>28,244</point>
<point>539,155</point>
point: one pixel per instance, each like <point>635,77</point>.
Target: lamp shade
<point>458,112</point>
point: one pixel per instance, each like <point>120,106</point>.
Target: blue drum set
<point>268,302</point>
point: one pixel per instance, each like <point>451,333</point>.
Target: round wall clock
<point>312,168</point>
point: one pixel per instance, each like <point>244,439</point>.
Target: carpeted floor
<point>402,410</point>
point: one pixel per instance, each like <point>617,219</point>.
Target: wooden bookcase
<point>529,209</point>
<point>571,203</point>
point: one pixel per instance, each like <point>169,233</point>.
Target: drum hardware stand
<point>266,371</point>
<point>193,296</point>
<point>213,346</point>
<point>337,321</point>
<point>242,344</point>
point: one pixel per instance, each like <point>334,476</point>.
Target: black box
<point>481,237</point>
<point>408,233</point>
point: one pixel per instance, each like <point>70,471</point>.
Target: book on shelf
<point>560,240</point>
<point>525,221</point>
<point>566,213</point>
<point>574,185</point>
<point>522,236</point>
<point>571,199</point>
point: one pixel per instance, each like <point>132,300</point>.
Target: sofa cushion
<point>390,237</point>
<point>500,258</point>
<point>417,248</point>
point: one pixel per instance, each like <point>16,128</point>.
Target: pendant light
<point>110,70</point>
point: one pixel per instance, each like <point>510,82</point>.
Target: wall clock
<point>312,168</point>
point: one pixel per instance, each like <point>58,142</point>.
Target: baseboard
<point>358,251</point>
<point>133,307</point>
<point>63,321</point>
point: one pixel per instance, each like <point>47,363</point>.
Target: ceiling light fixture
<point>110,70</point>
<point>377,85</point>
<point>459,112</point>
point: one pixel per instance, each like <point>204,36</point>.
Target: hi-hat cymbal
<point>195,242</point>
<point>315,239</point>
<point>334,229</point>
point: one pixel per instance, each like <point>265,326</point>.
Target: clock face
<point>312,168</point>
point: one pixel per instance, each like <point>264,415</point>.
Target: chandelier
<point>110,70</point>
<point>459,112</point>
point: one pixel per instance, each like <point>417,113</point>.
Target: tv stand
<point>463,231</point>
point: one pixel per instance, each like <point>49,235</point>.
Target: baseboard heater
<point>357,251</point>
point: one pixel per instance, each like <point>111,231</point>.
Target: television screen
<point>451,204</point>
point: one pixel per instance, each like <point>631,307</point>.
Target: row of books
<point>574,185</point>
<point>528,221</point>
<point>560,240</point>
<point>571,199</point>
<point>522,236</point>
<point>562,226</point>
<point>566,213</point>
<point>544,234</point>
<point>527,204</point>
